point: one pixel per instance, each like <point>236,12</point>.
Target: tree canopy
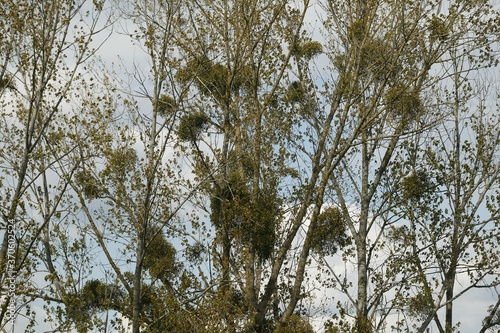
<point>249,166</point>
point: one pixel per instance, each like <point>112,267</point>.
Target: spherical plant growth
<point>404,103</point>
<point>191,126</point>
<point>416,186</point>
<point>121,162</point>
<point>160,259</point>
<point>356,31</point>
<point>165,105</point>
<point>90,186</point>
<point>438,30</point>
<point>215,79</point>
<point>330,232</point>
<point>307,50</point>
<point>296,93</point>
<point>261,224</point>
<point>250,215</point>
<point>101,296</point>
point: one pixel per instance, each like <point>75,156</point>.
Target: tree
<point>214,184</point>
<point>41,61</point>
<point>451,194</point>
<point>387,70</point>
<point>239,133</point>
<point>129,171</point>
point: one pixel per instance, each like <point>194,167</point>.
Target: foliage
<point>214,78</point>
<point>296,324</point>
<point>166,105</point>
<point>438,29</point>
<point>330,233</point>
<point>404,103</point>
<point>252,218</point>
<point>191,126</point>
<point>161,259</point>
<point>263,154</point>
<point>307,50</point>
<point>295,92</point>
<point>89,185</point>
<point>100,296</point>
<point>416,186</point>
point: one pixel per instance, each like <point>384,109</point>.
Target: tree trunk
<point>362,322</point>
<point>137,287</point>
<point>449,307</point>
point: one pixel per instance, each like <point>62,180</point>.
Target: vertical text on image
<point>11,273</point>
